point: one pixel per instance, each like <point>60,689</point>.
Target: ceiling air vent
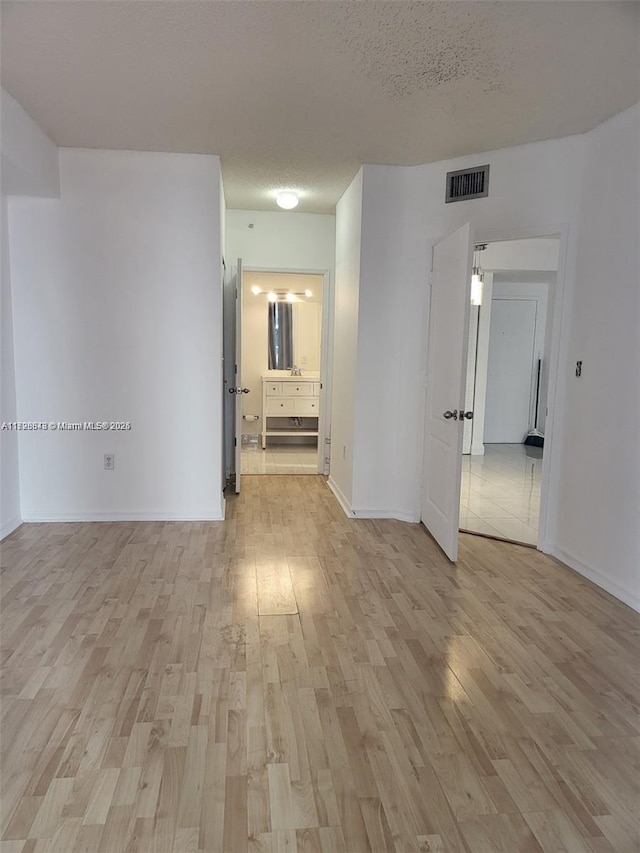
<point>467,183</point>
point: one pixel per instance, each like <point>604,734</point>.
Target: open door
<point>233,390</point>
<point>445,392</point>
<point>228,371</point>
<point>239,390</point>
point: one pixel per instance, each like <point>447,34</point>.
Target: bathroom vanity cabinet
<point>289,397</point>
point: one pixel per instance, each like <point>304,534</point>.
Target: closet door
<point>508,407</point>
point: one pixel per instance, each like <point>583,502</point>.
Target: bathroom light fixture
<point>282,295</point>
<point>256,290</point>
<point>287,200</point>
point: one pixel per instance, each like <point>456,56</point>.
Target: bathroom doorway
<point>507,387</point>
<point>282,349</point>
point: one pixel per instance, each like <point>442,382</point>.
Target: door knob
<point>454,414</point>
<point>239,390</point>
<point>467,415</point>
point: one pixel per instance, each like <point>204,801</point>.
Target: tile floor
<point>500,493</point>
<point>280,459</point>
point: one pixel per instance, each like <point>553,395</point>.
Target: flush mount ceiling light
<point>287,200</point>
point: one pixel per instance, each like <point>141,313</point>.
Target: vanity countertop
<point>285,376</point>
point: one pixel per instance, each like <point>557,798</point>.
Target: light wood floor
<point>290,680</point>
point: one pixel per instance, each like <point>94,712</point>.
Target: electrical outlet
<point>109,462</point>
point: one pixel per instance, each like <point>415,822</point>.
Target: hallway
<point>290,679</point>
<point>500,492</point>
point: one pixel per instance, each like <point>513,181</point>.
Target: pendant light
<point>476,278</point>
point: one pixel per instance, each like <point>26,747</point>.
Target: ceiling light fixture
<point>287,200</point>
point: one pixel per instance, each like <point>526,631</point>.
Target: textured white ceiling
<point>299,94</point>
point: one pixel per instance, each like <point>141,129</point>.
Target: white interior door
<point>510,373</point>
<point>229,377</point>
<point>239,390</point>
<point>445,392</point>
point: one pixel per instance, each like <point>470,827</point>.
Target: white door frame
<point>558,332</point>
<point>326,355</point>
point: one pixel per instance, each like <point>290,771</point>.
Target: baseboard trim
<point>627,596</point>
<point>362,512</point>
<point>9,526</point>
<point>391,514</point>
<point>196,515</point>
<point>340,497</point>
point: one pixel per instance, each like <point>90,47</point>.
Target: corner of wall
<point>629,597</point>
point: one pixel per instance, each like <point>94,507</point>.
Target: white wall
<point>307,331</point>
<point>10,516</point>
<point>534,190</point>
<point>598,529</point>
<point>29,157</point>
<point>117,318</point>
<point>345,336</point>
<point>282,241</point>
<point>29,167</point>
<point>391,310</point>
<point>533,254</point>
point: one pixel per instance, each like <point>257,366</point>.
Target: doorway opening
<point>282,348</point>
<point>507,384</point>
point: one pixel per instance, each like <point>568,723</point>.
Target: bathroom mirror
<point>293,335</point>
<point>280,335</point>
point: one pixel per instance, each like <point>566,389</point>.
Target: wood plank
<point>275,588</point>
<point>293,680</point>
